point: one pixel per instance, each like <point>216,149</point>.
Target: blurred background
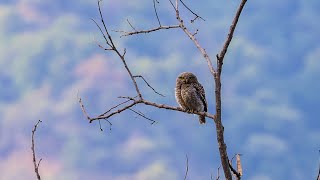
<point>49,54</point>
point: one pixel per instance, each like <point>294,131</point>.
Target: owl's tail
<point>202,119</point>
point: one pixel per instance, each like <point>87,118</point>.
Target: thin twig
<point>131,25</point>
<point>187,167</point>
<point>100,125</point>
<point>195,32</point>
<point>155,11</point>
<point>218,174</point>
<point>116,106</point>
<point>110,124</point>
<point>82,107</point>
<point>142,115</point>
<point>149,30</point>
<point>172,5</point>
<point>197,16</point>
<point>104,36</point>
<point>36,165</point>
<point>233,157</point>
<point>139,76</point>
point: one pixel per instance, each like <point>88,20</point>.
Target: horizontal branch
<point>149,30</point>
<point>140,101</point>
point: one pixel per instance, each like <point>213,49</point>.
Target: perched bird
<point>190,94</point>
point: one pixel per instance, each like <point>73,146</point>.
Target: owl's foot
<point>190,111</point>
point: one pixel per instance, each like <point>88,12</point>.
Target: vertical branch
<point>217,78</point>
<point>36,165</point>
<point>239,166</point>
<point>224,50</point>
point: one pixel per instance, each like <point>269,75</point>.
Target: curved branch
<point>217,78</point>
<point>35,164</point>
<point>224,50</point>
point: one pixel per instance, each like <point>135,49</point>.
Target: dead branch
<point>239,166</point>
<point>155,11</point>
<point>218,174</point>
<point>149,30</point>
<point>36,165</point>
<point>139,76</point>
<point>142,115</point>
<point>196,15</point>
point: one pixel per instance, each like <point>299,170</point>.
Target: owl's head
<point>187,78</point>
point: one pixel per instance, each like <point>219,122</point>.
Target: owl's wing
<point>202,95</point>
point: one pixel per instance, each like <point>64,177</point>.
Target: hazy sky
<point>271,101</point>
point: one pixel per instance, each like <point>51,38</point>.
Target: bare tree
<point>139,99</point>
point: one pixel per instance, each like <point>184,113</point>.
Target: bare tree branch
<point>131,25</point>
<point>218,174</point>
<point>196,15</point>
<point>116,106</point>
<point>36,165</point>
<point>155,11</point>
<point>217,78</point>
<point>149,30</point>
<point>239,166</point>
<point>142,115</point>
<point>134,102</point>
<point>139,76</point>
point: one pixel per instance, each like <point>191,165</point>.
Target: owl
<point>190,94</point>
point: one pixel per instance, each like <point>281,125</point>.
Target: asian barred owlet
<point>190,94</point>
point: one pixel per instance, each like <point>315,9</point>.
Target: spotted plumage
<point>190,94</point>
